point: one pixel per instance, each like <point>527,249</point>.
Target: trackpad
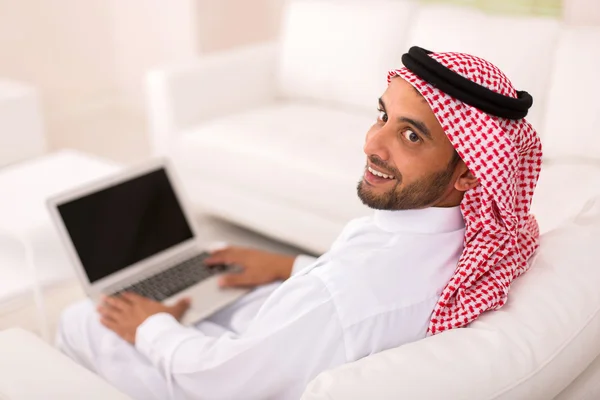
<point>206,299</point>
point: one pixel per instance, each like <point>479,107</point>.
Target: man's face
<point>408,146</point>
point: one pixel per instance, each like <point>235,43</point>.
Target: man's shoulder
<point>353,227</point>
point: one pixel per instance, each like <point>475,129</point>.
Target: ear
<point>466,180</point>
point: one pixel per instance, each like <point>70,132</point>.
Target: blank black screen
<point>126,223</point>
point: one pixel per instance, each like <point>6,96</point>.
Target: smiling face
<point>411,163</point>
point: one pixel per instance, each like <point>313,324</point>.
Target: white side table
<point>31,369</point>
<point>25,187</point>
<point>21,123</point>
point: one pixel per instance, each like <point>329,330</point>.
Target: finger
<point>122,298</point>
<point>216,260</point>
<point>237,280</point>
<point>182,305</point>
<point>177,310</point>
<point>109,323</point>
<point>108,311</point>
<point>133,298</point>
<point>117,303</point>
<point>225,256</point>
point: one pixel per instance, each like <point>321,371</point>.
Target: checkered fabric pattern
<point>505,156</point>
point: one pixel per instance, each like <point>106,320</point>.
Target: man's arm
<point>295,336</point>
<point>257,267</point>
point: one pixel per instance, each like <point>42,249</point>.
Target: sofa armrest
<point>21,123</point>
<point>182,96</point>
<point>31,369</point>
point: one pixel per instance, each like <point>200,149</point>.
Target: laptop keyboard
<point>175,279</point>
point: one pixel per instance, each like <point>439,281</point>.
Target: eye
<point>411,136</point>
<point>382,115</point>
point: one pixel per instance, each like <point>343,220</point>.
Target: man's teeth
<point>381,174</point>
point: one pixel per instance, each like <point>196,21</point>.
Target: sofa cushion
<point>340,51</point>
<point>572,127</point>
<point>247,150</point>
<point>306,156</point>
<point>544,337</point>
<point>496,38</point>
<point>586,386</point>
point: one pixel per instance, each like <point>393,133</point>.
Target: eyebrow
<point>416,123</point>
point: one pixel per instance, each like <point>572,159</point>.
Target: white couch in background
<point>21,123</point>
<point>271,137</point>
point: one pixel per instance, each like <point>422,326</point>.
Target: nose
<point>376,144</point>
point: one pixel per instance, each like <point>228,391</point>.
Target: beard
<point>419,194</point>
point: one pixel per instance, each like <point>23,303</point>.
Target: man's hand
<point>258,267</point>
<point>125,313</point>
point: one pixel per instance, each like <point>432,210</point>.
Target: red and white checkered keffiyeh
<point>505,156</point>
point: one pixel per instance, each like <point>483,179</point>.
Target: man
<point>451,169</point>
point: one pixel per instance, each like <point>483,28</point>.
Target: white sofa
<point>32,370</point>
<point>271,137</point>
<point>21,122</point>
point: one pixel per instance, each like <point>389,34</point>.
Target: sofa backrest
<point>350,45</point>
<point>21,126</point>
<point>522,47</point>
<point>572,115</point>
<point>340,51</point>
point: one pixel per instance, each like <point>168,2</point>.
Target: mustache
<point>378,162</point>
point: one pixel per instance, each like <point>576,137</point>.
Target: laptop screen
<point>116,227</point>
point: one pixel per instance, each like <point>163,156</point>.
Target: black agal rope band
<point>418,61</point>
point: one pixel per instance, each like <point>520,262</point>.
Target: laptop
<point>134,232</point>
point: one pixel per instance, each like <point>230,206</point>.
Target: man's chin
<point>374,190</point>
<point>372,196</point>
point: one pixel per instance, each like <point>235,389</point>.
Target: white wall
<point>63,47</point>
<point>582,12</point>
<point>147,33</point>
<point>88,57</point>
<point>228,23</point>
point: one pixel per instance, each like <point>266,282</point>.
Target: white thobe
<point>373,290</point>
